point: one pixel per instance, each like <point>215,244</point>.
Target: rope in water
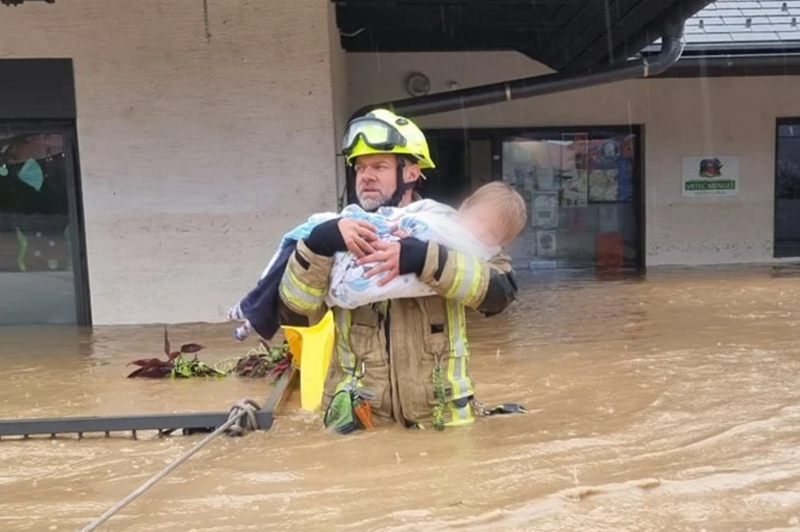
<point>242,418</point>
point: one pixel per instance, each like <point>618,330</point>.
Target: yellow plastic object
<point>311,349</point>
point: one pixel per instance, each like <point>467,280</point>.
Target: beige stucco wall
<point>197,153</point>
<point>338,71</point>
<point>727,116</point>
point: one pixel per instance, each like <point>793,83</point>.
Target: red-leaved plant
<point>156,368</point>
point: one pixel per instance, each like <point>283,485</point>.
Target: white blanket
<point>426,220</point>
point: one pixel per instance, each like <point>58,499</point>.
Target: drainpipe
<point>506,91</point>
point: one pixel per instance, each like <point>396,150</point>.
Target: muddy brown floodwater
<point>670,402</point>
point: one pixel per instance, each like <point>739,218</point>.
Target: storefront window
<point>582,192</point>
<point>787,190</point>
<point>37,278</point>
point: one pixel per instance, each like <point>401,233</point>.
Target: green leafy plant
<point>186,368</point>
<point>266,361</point>
<point>176,364</point>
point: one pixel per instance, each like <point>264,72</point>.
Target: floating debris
<point>265,361</point>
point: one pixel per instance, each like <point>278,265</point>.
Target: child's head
<point>495,214</point>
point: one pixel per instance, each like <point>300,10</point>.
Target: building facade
<point>203,131</point>
<point>202,138</point>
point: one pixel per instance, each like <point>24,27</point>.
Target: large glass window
<point>582,189</point>
<point>38,213</point>
<point>787,190</point>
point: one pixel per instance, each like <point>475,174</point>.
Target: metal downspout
<point>506,91</point>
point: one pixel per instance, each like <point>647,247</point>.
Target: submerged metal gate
<point>166,424</point>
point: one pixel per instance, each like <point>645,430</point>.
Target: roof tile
<point>727,12</point>
<point>717,38</point>
<point>783,20</point>
<point>787,28</point>
<point>744,4</point>
<point>695,22</point>
<point>745,21</point>
<point>777,4</point>
<point>763,12</point>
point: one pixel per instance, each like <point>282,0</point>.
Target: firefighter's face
<point>376,179</point>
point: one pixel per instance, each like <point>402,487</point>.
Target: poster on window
<point>711,175</point>
<point>545,243</point>
<point>519,162</point>
<point>545,178</point>
<point>603,185</point>
<point>575,188</point>
<point>545,210</point>
<point>546,165</point>
<point>610,165</point>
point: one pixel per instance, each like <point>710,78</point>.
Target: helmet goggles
<point>375,133</point>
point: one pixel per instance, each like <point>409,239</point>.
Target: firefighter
<point>408,357</point>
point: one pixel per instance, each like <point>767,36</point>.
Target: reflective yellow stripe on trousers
<point>457,363</point>
<point>345,355</point>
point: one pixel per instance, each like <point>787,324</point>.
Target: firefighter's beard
<point>372,200</point>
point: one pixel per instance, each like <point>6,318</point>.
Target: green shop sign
<point>710,175</point>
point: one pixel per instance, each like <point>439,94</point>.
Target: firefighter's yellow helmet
<point>382,131</point>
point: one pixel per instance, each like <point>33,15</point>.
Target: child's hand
<point>399,233</point>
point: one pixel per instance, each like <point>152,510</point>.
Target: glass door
<point>41,267</point>
<point>582,188</point>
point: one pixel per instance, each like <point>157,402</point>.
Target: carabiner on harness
<point>349,409</point>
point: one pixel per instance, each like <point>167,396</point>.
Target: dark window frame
<point>787,249</point>
<point>68,130</point>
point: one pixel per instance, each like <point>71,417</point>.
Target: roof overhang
<point>20,2</point>
<point>565,35</point>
